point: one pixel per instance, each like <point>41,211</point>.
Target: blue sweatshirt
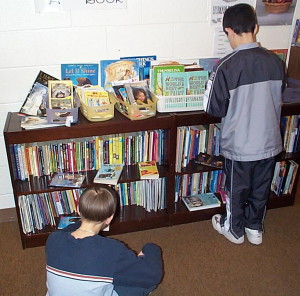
<point>97,265</point>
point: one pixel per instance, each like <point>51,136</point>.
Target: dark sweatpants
<point>248,186</point>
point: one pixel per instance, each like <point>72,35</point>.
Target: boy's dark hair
<point>241,18</point>
<point>98,203</point>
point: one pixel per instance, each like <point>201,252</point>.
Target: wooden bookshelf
<point>128,218</point>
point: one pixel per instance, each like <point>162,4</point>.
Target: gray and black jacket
<point>245,90</point>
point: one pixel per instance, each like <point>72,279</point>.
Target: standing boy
<point>81,262</point>
<point>245,90</point>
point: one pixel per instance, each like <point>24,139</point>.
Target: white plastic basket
<point>179,103</point>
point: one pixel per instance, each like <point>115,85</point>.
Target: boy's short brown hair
<point>98,203</point>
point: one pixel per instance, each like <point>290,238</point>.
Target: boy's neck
<point>244,38</point>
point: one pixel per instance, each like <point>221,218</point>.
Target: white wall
<point>30,42</point>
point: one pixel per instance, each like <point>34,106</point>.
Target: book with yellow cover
<point>148,170</point>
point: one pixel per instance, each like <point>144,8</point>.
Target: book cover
<point>202,201</point>
<point>138,92</point>
<point>157,76</point>
<point>296,34</point>
<point>35,102</point>
<point>118,72</point>
<point>74,180</point>
<point>196,82</point>
<point>109,174</point>
<point>61,94</point>
<point>148,170</point>
<point>144,65</point>
<point>66,221</point>
<point>34,122</point>
<point>174,83</point>
<point>210,160</point>
<point>208,63</point>
<point>80,74</point>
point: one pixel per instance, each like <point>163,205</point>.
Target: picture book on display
<point>148,170</point>
<point>80,74</point>
<point>35,102</point>
<point>174,83</point>
<point>202,201</point>
<point>208,63</point>
<point>74,180</point>
<point>138,92</point>
<point>144,65</point>
<point>94,96</point>
<point>66,221</point>
<point>196,82</point>
<point>116,72</point>
<point>109,174</point>
<point>61,94</point>
<point>157,76</point>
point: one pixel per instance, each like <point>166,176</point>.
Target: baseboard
<point>7,215</point>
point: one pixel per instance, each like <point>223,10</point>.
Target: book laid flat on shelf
<point>80,74</point>
<point>148,170</point>
<point>61,94</point>
<point>109,174</point>
<point>118,72</point>
<point>34,122</point>
<point>35,102</point>
<point>66,221</point>
<point>202,201</point>
<point>74,180</point>
<point>210,160</point>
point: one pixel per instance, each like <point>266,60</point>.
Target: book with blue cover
<point>144,64</point>
<point>80,74</point>
<point>116,72</point>
<point>202,201</point>
<point>67,220</point>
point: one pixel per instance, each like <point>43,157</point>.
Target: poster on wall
<point>218,8</point>
<point>221,44</point>
<point>275,13</point>
<point>42,6</point>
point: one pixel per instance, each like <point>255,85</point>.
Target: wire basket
<point>180,103</point>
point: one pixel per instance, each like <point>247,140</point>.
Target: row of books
<point>39,210</point>
<point>193,140</point>
<point>284,177</point>
<point>150,194</point>
<point>198,183</point>
<point>172,80</point>
<point>290,131</point>
<point>45,158</point>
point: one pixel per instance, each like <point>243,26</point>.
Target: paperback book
<point>73,180</point>
<point>109,174</point>
<point>196,82</point>
<point>208,63</point>
<point>66,221</point>
<point>138,92</point>
<point>61,94</point>
<point>174,83</point>
<point>34,122</point>
<point>80,74</point>
<point>113,72</point>
<point>202,201</point>
<point>148,170</point>
<point>36,99</point>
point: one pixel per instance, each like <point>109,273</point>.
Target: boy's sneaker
<point>254,236</point>
<point>217,226</point>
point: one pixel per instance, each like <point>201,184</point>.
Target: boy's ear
<point>229,31</point>
<point>108,220</point>
<point>256,29</point>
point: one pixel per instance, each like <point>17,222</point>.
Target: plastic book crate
<point>98,113</point>
<point>62,115</point>
<point>137,112</point>
<point>180,103</point>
